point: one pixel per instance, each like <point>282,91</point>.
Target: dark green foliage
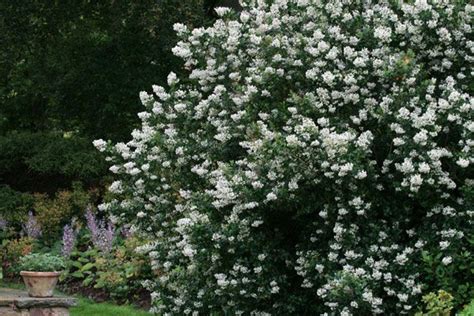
<point>14,206</point>
<point>46,161</point>
<point>71,72</point>
<point>78,66</point>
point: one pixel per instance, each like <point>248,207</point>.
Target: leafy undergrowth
<point>141,299</point>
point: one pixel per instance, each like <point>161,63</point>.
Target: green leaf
<point>87,281</point>
<point>77,274</point>
<point>87,266</point>
<point>77,264</point>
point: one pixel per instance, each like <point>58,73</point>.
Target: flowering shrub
<point>315,150</point>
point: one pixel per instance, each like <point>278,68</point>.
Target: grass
<point>86,307</point>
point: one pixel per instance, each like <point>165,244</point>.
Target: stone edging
<point>20,301</point>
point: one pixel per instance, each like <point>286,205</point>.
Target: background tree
<point>69,73</point>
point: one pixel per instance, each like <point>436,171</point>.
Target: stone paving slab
<point>21,300</point>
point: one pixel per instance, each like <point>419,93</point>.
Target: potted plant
<point>40,273</point>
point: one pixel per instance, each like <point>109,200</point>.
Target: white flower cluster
<point>315,150</point>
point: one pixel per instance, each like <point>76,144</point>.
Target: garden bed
<point>98,295</point>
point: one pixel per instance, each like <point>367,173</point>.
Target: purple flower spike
<point>32,228</point>
<point>102,233</point>
<point>3,224</point>
<point>69,240</point>
<point>92,224</point>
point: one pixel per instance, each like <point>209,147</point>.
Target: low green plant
<point>117,275</point>
<point>468,310</point>
<point>124,272</point>
<point>439,304</point>
<point>42,262</point>
<point>81,266</point>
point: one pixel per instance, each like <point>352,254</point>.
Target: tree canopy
<point>70,72</point>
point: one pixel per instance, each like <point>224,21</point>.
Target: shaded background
<point>70,72</point>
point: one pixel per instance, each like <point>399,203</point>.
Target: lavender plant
<point>102,232</point>
<point>32,228</point>
<point>315,152</point>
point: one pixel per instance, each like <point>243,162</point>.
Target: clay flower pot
<point>40,284</point>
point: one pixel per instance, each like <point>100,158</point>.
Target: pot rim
<point>40,274</point>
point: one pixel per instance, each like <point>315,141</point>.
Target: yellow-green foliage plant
<point>437,304</point>
<point>53,213</point>
<point>11,250</point>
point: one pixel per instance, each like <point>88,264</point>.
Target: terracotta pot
<point>40,284</point>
